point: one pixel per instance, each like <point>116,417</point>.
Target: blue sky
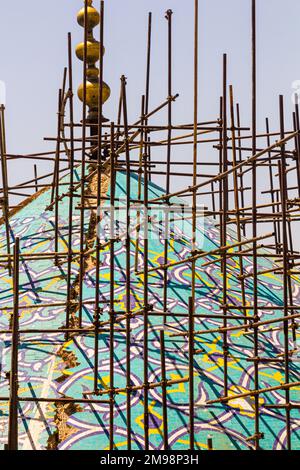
<point>33,52</point>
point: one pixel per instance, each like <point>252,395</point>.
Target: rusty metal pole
<point>139,192</point>
<point>112,282</point>
<point>297,128</point>
<point>167,231</point>
<point>257,436</point>
<point>297,151</point>
<point>194,225</point>
<point>57,150</point>
<point>99,187</point>
<point>240,153</point>
<point>220,182</point>
<point>13,389</point>
<point>285,261</point>
<point>148,70</point>
<point>275,224</point>
<point>128,263</point>
<point>72,188</point>
<point>236,194</point>
<point>83,169</point>
<point>224,221</point>
<point>55,183</point>
<point>35,177</point>
<point>164,390</point>
<point>191,374</point>
<point>146,293</point>
<point>5,202</point>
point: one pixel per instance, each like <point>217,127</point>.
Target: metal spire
<point>90,53</point>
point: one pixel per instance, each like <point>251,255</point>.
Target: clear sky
<point>33,52</point>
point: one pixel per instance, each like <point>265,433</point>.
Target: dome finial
<point>92,57</point>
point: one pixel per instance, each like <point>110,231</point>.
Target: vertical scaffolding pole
<point>224,222</point>
<point>13,389</point>
<point>191,373</point>
<point>83,174</point>
<point>194,225</point>
<point>35,178</point>
<point>167,231</point>
<point>240,153</point>
<point>146,293</point>
<point>99,187</point>
<point>297,150</point>
<point>164,390</point>
<point>275,223</point>
<point>112,282</point>
<point>5,201</point>
<point>147,92</point>
<point>55,184</point>
<point>128,262</point>
<point>220,185</point>
<point>285,259</point>
<point>148,70</point>
<point>139,194</point>
<point>236,197</point>
<point>257,436</point>
<point>297,127</point>
<point>71,188</point>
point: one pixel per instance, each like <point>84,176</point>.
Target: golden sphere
<point>92,94</point>
<point>92,51</point>
<point>93,17</point>
<point>92,73</point>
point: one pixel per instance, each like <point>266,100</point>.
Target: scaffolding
<point>252,226</point>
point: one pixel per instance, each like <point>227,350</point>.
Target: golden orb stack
<point>93,48</point>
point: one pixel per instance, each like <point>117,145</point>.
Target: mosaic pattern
<point>43,371</point>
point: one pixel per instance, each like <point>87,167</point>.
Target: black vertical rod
<point>191,374</point>
<point>257,435</point>
<point>112,282</point>
<point>147,93</point>
<point>83,168</point>
<point>55,184</point>
<point>224,221</point>
<point>99,187</point>
<point>213,199</point>
<point>240,153</point>
<point>146,293</point>
<point>13,389</point>
<point>57,153</point>
<point>164,389</point>
<point>168,16</point>
<point>5,183</point>
<point>128,261</point>
<point>35,177</point>
<point>139,195</point>
<point>71,191</point>
<point>297,151</point>
<point>236,194</point>
<point>194,226</point>
<point>275,224</point>
<point>221,215</point>
<point>285,259</point>
<point>297,122</point>
<point>148,70</point>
